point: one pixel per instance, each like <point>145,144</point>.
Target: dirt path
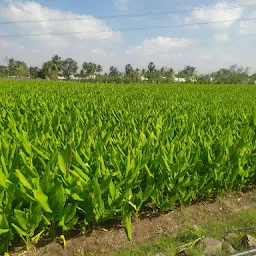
<point>109,240</point>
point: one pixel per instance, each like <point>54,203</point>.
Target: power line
<point>127,15</point>
<point>124,29</point>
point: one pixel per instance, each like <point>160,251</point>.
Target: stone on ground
<point>249,241</point>
<point>228,248</point>
<point>231,237</point>
<point>210,246</point>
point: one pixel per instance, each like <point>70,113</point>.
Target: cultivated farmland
<point>74,155</point>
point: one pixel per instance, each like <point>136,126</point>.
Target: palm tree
<point>69,67</point>
<point>151,67</point>
<point>56,61</point>
<point>88,69</point>
<point>11,66</point>
<point>128,69</point>
<point>99,69</point>
<point>143,71</point>
<point>114,72</point>
<point>49,70</point>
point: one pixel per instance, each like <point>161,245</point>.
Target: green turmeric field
<point>74,155</point>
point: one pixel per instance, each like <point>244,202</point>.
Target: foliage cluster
<point>75,155</point>
<point>69,70</point>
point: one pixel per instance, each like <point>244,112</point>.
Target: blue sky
<point>103,7</point>
<point>208,47</point>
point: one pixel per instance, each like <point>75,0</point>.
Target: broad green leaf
<point>4,166</point>
<point>34,216</point>
<point>3,180</point>
<point>85,166</point>
<point>26,143</point>
<point>22,219</point>
<point>4,231</point>
<point>128,225</point>
<point>58,197</point>
<point>40,153</point>
<point>112,190</point>
<point>37,237</point>
<point>76,197</point>
<point>42,199</point>
<point>19,230</point>
<point>23,180</point>
<point>62,164</point>
<point>254,118</point>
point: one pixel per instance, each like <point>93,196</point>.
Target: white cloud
<point>16,11</point>
<point>5,45</point>
<point>222,11</point>
<point>94,47</point>
<point>19,51</point>
<point>248,27</point>
<point>107,49</point>
<point>161,45</point>
<point>248,1</point>
<point>221,37</point>
<point>121,4</point>
<point>206,55</point>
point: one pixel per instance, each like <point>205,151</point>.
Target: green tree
<point>99,69</point>
<point>56,62</point>
<point>3,71</point>
<point>232,75</point>
<point>17,68</point>
<point>152,73</point>
<point>128,69</point>
<point>189,73</point>
<point>169,73</point>
<point>113,71</point>
<point>203,79</point>
<point>151,67</point>
<point>34,72</point>
<point>143,71</point>
<point>49,70</point>
<point>253,77</point>
<point>88,69</point>
<point>69,67</point>
<point>166,72</point>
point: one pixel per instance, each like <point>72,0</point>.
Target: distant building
<point>76,78</point>
<point>61,78</point>
<point>13,76</point>
<point>142,78</point>
<point>193,80</point>
<point>92,76</point>
<point>179,80</point>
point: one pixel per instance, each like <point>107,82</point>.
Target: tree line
<point>68,69</point>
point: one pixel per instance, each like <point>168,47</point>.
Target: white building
<point>179,80</point>
<point>61,78</point>
<point>92,76</point>
<point>142,78</point>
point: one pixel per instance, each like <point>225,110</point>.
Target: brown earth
<point>108,240</point>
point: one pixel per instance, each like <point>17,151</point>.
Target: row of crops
<point>74,155</point>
